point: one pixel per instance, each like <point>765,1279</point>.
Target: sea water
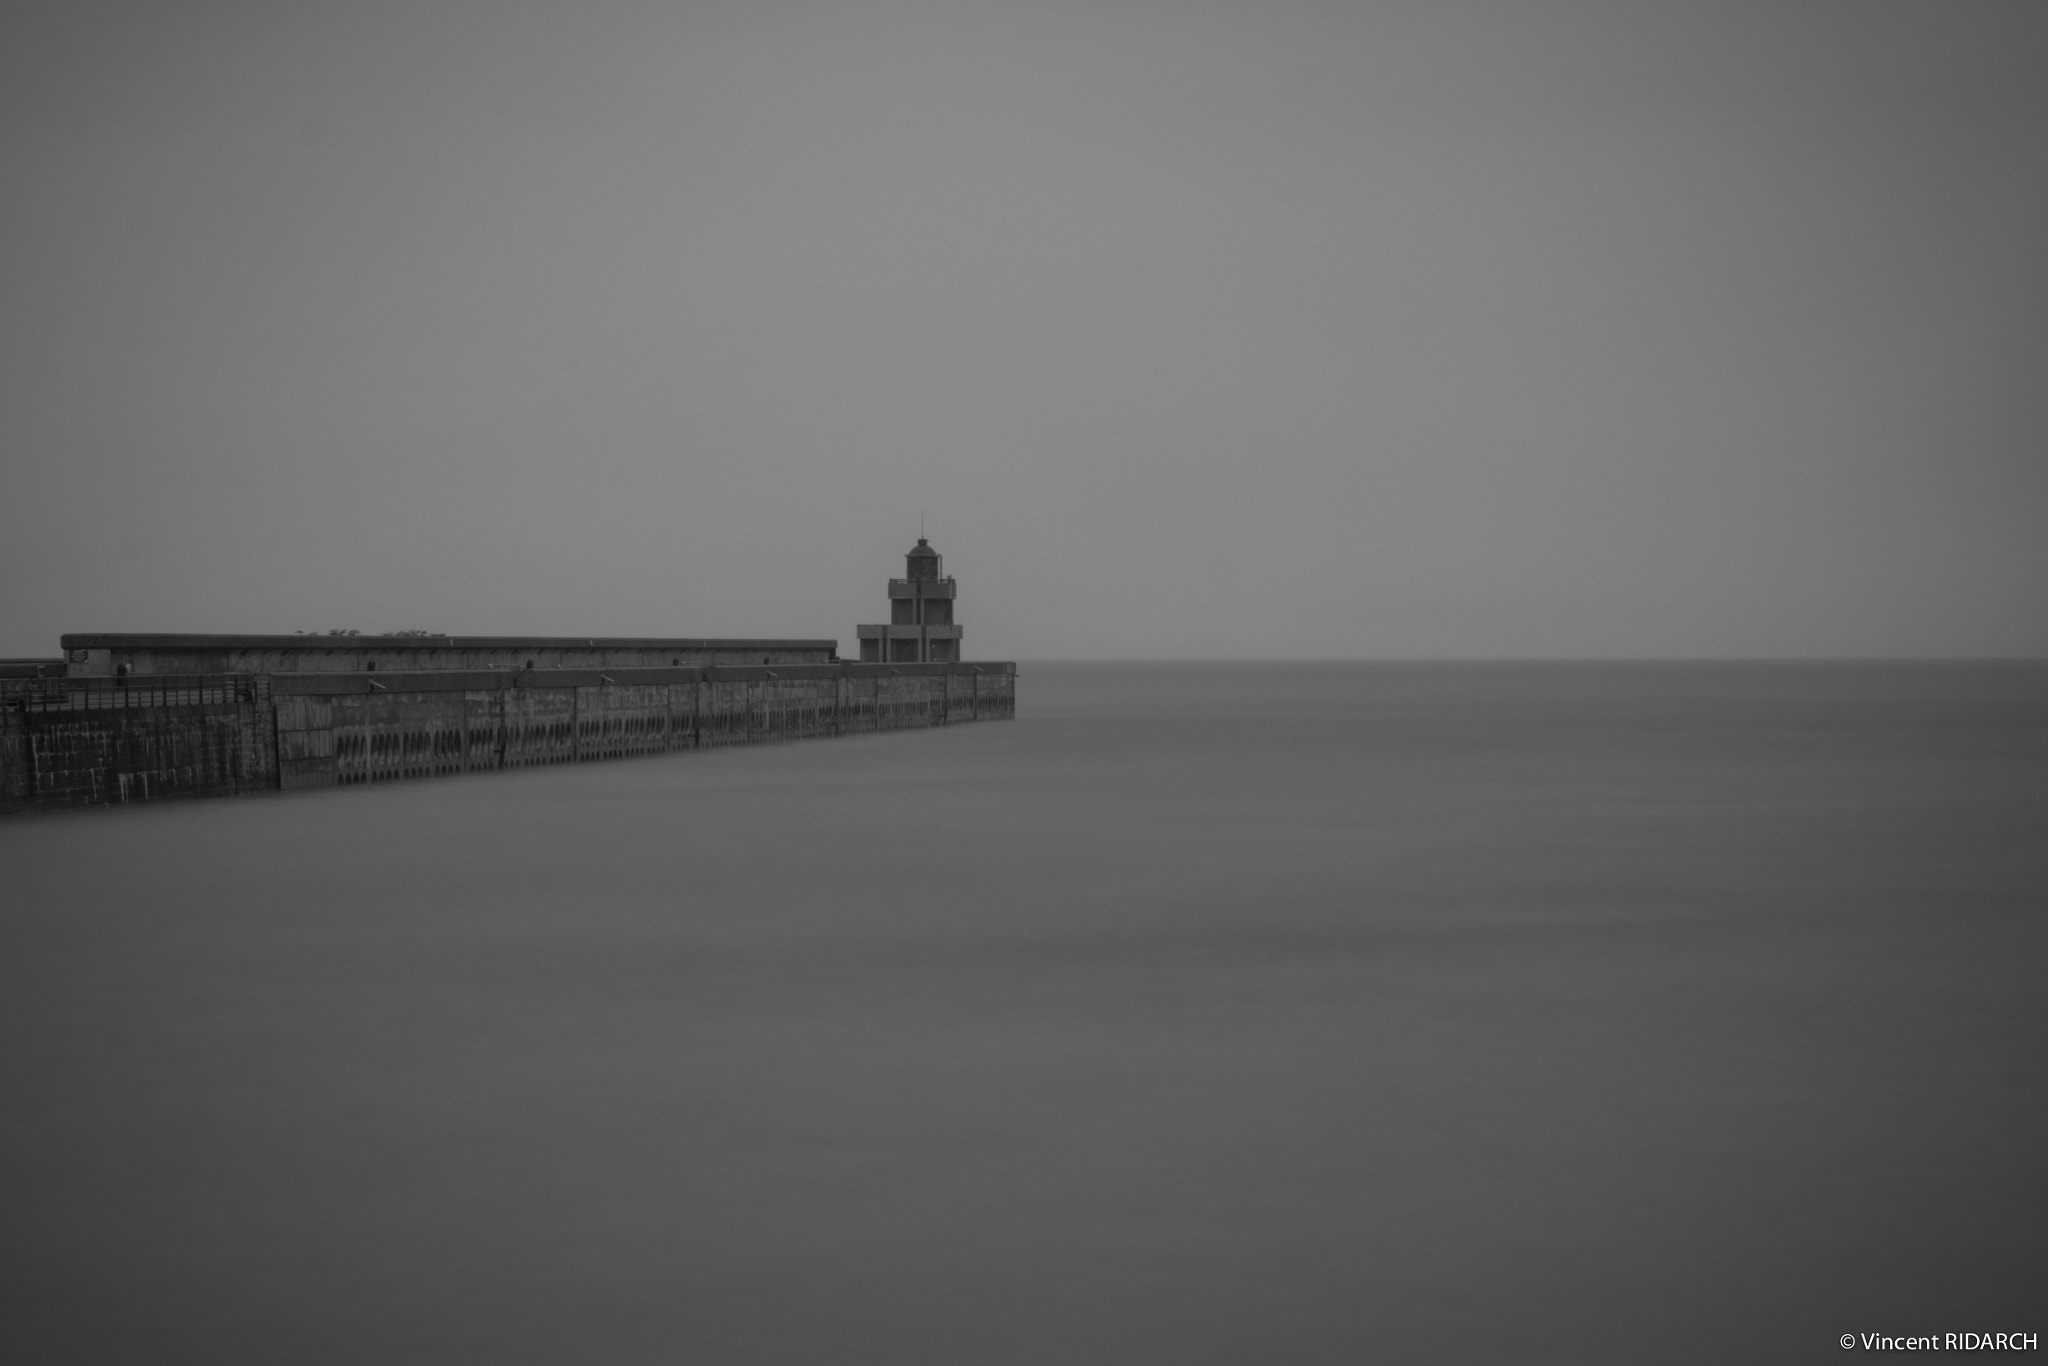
<point>1203,1013</point>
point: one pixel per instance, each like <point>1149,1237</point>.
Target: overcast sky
<point>1249,328</point>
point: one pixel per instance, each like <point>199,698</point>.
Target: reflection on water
<point>1211,1014</point>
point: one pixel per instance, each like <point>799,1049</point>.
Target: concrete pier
<point>93,740</point>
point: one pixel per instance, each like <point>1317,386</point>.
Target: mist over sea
<point>1203,1014</point>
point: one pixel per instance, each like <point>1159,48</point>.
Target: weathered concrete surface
<point>92,758</point>
<point>85,742</point>
<point>63,743</point>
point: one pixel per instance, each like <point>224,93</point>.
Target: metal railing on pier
<point>132,692</point>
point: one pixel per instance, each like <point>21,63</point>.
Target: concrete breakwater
<point>83,741</point>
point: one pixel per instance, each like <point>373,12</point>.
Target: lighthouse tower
<point>921,628</point>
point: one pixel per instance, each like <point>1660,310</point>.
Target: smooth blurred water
<point>1216,1013</point>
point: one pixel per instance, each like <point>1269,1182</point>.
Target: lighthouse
<point>921,629</point>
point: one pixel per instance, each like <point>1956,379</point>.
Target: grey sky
<point>1201,329</point>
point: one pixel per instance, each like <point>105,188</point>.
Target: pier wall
<point>103,655</point>
<point>92,741</point>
